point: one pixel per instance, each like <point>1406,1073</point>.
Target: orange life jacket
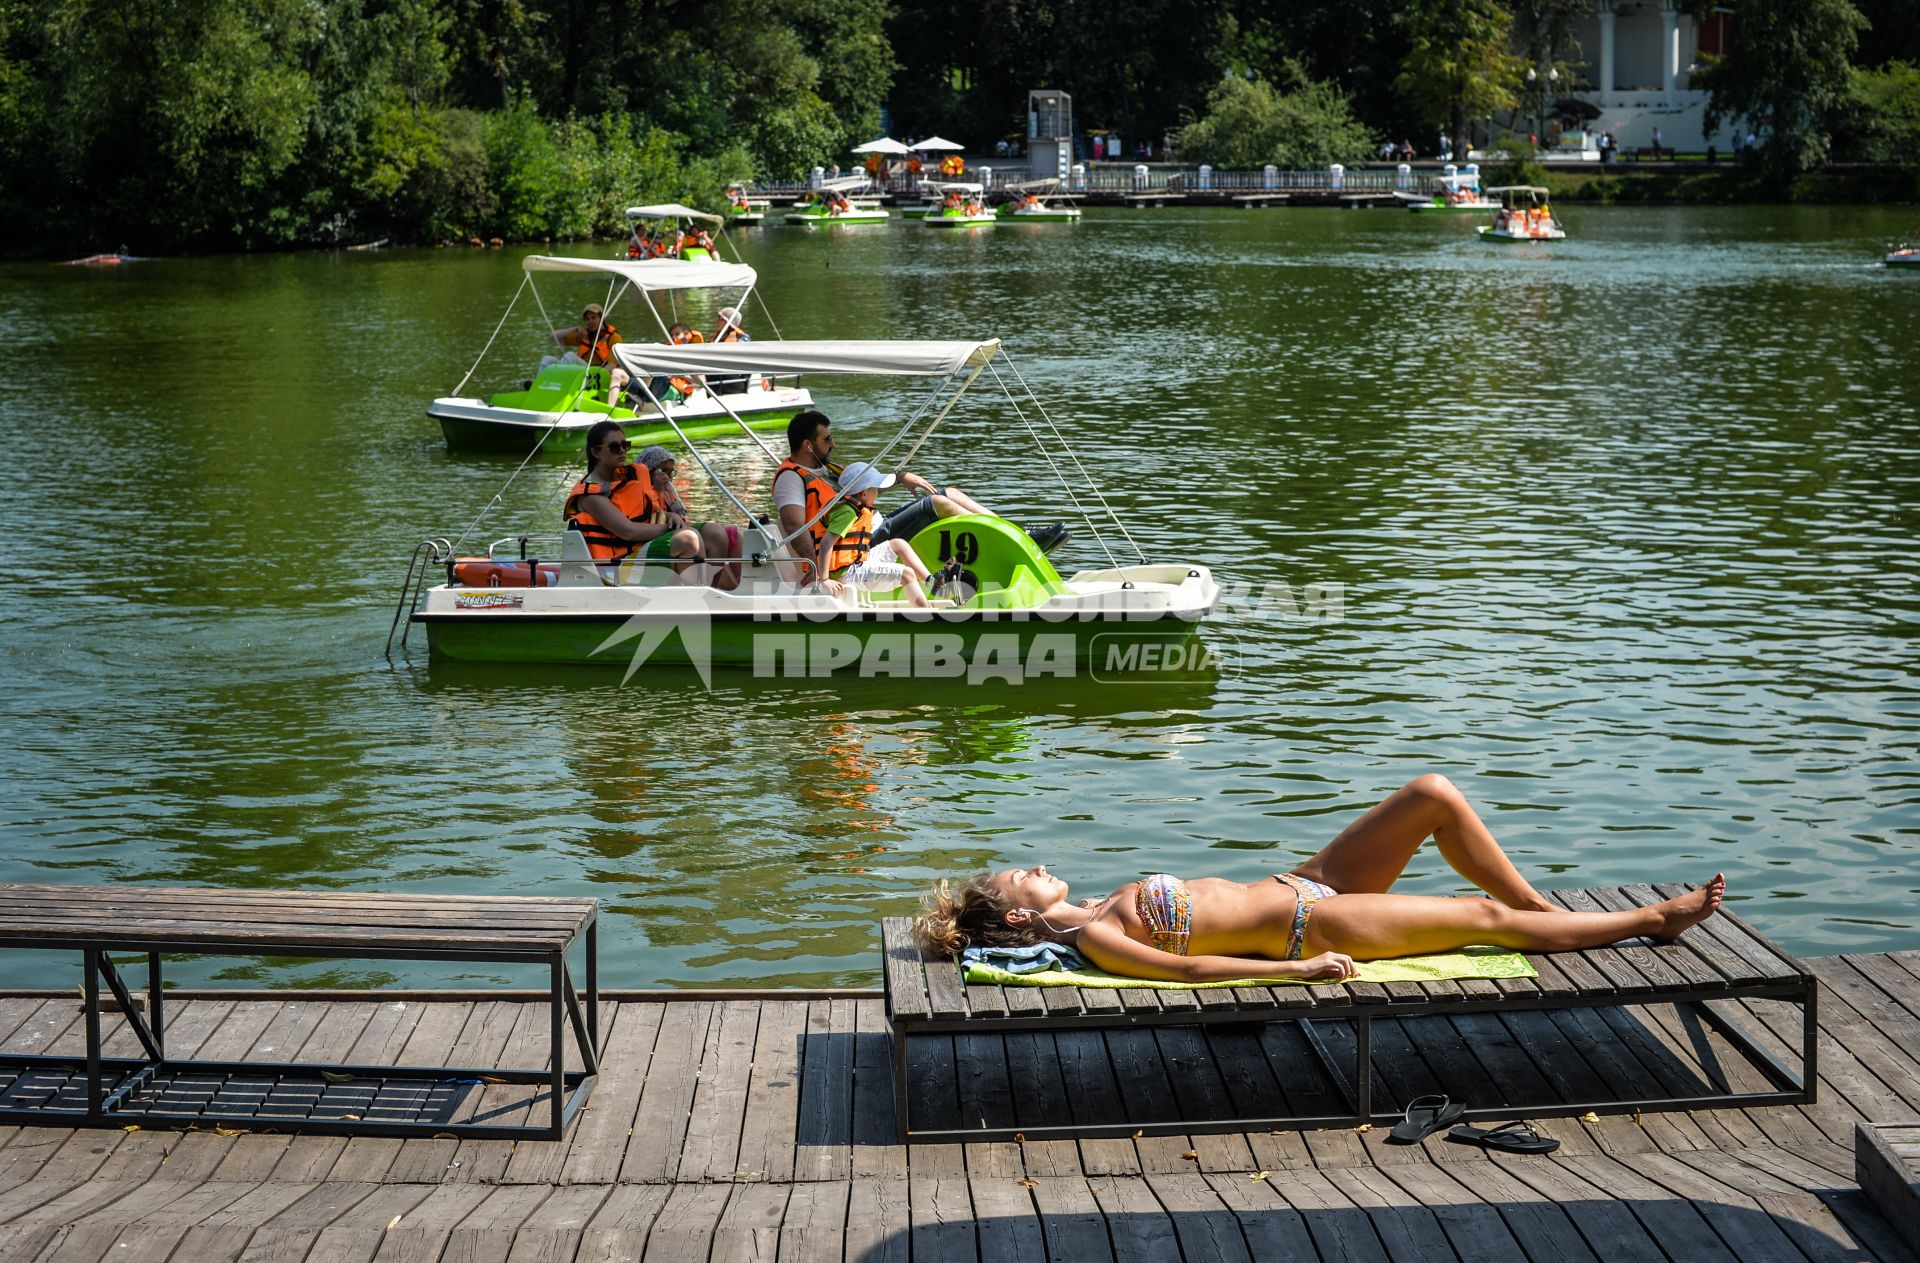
<point>632,493</point>
<point>685,384</point>
<point>819,491</point>
<point>852,548</point>
<point>727,333</point>
<point>598,350</point>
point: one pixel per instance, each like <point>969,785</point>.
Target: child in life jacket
<point>852,558</point>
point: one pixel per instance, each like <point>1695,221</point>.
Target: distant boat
<point>103,260</point>
<point>1904,255</point>
<point>1524,216</point>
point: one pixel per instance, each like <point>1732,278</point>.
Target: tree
<point>1250,123</point>
<point>1882,122</point>
<point>1459,66</point>
<point>1785,70</point>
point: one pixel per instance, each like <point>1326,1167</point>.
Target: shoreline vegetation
<point>213,126</point>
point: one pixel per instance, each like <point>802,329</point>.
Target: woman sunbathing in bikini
<point>1313,922</point>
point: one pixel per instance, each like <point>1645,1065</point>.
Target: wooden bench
<point>95,1090</point>
<point>1721,959</point>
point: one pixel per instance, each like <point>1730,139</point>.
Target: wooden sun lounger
<point>95,1090</point>
<point>1722,959</point>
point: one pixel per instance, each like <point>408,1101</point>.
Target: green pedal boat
<point>555,407</point>
<point>1003,611</point>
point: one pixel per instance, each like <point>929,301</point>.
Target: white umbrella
<point>937,142</point>
<point>886,144</point>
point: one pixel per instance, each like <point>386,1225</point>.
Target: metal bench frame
<point>1669,974</point>
<point>113,1081</point>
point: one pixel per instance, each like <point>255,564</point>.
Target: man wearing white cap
<point>729,331</point>
<point>852,558</point>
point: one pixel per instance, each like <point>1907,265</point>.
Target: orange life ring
<point>484,572</point>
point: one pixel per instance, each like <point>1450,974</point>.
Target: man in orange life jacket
<point>620,514</point>
<point>807,479</point>
<point>593,340</point>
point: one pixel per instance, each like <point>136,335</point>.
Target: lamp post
<point>1539,88</point>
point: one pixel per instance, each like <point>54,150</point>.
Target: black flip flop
<point>1515,1137</point>
<point>1425,1115</point>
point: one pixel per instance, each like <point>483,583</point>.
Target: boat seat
<point>577,569</point>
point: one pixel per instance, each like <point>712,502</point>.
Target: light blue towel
<point>1037,958</point>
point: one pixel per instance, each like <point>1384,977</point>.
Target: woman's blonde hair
<point>975,916</point>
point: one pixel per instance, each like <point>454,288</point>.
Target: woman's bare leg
<point>1372,927</point>
<point>1370,854</point>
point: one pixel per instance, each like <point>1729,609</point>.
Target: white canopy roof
<point>652,275</point>
<point>951,186</point>
<point>936,142</point>
<point>899,359</point>
<point>886,144</point>
<point>670,210</point>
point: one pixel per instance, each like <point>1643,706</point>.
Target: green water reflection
<point>1625,527</point>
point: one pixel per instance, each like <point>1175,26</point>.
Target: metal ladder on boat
<point>428,555</point>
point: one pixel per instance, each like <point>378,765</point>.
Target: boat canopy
<point>651,275</point>
<point>1517,188</point>
<point>876,357</point>
<point>1033,186</point>
<point>671,210</point>
<point>951,186</point>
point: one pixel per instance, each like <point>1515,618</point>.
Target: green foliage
<point>1785,71</point>
<point>1882,121</point>
<point>1459,64</point>
<point>1250,123</point>
<point>1511,160</point>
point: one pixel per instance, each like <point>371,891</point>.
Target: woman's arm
<point>619,524</point>
<point>1109,947</point>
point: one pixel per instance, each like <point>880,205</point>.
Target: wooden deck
<point>727,1128</point>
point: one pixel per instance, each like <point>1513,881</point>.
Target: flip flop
<point>1515,1137</point>
<point>1425,1115</point>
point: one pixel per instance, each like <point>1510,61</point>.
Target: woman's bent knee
<point>1433,787</point>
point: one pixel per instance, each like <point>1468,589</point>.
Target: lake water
<point>1625,530</point>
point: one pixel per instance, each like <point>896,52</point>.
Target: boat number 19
<point>965,548</point>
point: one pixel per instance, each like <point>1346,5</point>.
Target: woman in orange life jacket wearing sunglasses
<point>621,515</point>
<point>1313,922</point>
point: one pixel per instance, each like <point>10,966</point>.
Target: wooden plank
<point>432,1040</point>
<point>380,1042</point>
<point>1072,1220</point>
<point>593,1151</point>
<point>1740,1220</point>
<point>768,1126</point>
<point>711,1148</point>
<point>875,1155</point>
<point>1406,1229</point>
<point>906,980</point>
<point>946,994</point>
<point>1270,1227</point>
<point>941,1214</point>
<point>1204,1226</point>
<point>1609,1227</point>
<point>1007,1223</point>
<point>1662,968</point>
<point>822,1133</point>
<point>879,1221</point>
<point>483,1039</point>
<point>814,1229</point>
<point>1536,1223</point>
<point>1136,1222</point>
<point>981,1080</point>
<point>749,1228</point>
<point>618,1230</point>
<point>1676,1223</point>
<point>1340,1229</point>
<point>661,1124</point>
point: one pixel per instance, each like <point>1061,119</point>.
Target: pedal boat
<point>1524,216</point>
<point>1011,615</point>
<point>970,213</point>
<point>1459,193</point>
<point>1904,255</point>
<point>743,208</point>
<point>683,218</point>
<point>1034,204</point>
<point>813,209</point>
<point>559,404</point>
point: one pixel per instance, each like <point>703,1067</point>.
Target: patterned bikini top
<point>1166,909</point>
